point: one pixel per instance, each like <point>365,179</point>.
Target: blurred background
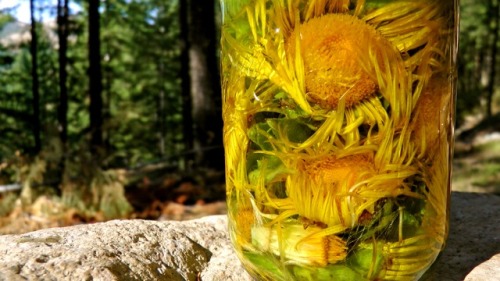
<point>112,109</point>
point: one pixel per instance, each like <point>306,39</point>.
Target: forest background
<point>112,109</point>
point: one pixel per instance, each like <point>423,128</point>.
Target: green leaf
<point>337,272</point>
<point>294,129</point>
<point>267,264</point>
<point>260,134</point>
<point>269,167</point>
<point>367,259</point>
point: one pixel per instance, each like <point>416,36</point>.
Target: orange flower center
<point>337,171</point>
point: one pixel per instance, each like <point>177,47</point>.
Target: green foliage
<point>140,52</point>
<point>14,113</point>
<point>5,18</point>
<point>142,89</point>
<point>476,41</point>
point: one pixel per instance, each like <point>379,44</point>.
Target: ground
<point>476,165</point>
<point>171,196</point>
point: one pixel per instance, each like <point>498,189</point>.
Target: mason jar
<point>338,134</point>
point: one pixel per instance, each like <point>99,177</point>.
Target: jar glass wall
<point>338,134</point>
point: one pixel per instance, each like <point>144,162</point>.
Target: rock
<point>123,250</point>
<point>472,252</point>
<point>200,249</point>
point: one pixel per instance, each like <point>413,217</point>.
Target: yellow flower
<point>329,46</point>
<point>408,259</point>
<point>319,190</point>
<point>432,111</point>
<point>245,218</point>
<point>297,244</point>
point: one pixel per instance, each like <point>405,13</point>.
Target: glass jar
<point>338,133</point>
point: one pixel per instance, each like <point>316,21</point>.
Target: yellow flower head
<point>332,70</point>
<point>431,113</point>
<point>299,244</point>
<point>320,189</point>
<point>338,170</point>
<point>245,218</point>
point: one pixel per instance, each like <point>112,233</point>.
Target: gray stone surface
<point>123,250</point>
<point>200,249</point>
<point>472,252</point>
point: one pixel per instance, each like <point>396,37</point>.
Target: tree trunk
<point>62,31</point>
<point>95,81</point>
<point>494,15</point>
<point>204,82</point>
<point>107,79</point>
<point>187,118</point>
<point>160,113</point>
<point>35,82</point>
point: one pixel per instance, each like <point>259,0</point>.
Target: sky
<point>22,12</point>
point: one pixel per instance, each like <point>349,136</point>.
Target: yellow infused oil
<point>337,135</point>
